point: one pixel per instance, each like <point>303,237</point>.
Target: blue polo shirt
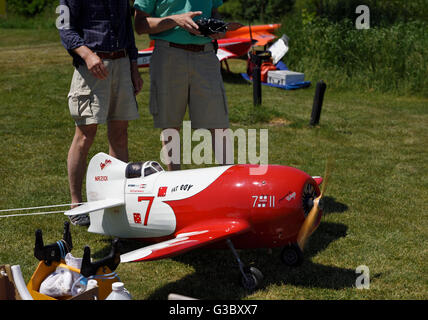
<point>164,8</point>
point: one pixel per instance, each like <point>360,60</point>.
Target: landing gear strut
<point>251,276</point>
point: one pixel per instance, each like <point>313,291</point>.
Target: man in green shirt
<point>184,69</point>
<point>172,20</point>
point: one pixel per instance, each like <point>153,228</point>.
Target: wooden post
<point>318,100</point>
<point>257,82</point>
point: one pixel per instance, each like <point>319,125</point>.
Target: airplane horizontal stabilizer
<point>94,206</point>
<point>262,38</point>
<point>188,239</point>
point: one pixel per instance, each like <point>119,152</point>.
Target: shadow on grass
<point>217,275</point>
<point>234,78</point>
<point>332,206</point>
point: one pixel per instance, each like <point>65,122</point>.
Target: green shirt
<point>164,8</point>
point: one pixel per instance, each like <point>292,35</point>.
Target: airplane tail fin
<point>105,178</point>
<point>105,183</point>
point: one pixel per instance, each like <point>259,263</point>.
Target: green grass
<point>376,205</point>
<point>383,58</point>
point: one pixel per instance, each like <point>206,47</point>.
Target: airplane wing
<point>223,54</point>
<point>189,238</point>
<point>261,34</point>
<point>233,47</point>
<point>94,206</point>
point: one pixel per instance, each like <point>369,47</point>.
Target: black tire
<point>253,278</point>
<point>257,273</point>
<point>291,255</point>
<point>249,282</point>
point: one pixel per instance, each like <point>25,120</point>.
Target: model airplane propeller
<point>178,211</point>
<point>309,225</point>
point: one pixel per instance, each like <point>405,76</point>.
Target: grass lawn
<point>376,205</point>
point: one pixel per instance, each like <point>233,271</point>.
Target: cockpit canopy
<point>142,169</point>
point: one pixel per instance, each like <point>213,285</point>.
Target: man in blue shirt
<point>100,39</point>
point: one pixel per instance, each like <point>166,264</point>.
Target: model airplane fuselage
<point>183,210</point>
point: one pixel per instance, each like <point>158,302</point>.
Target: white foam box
<point>285,77</point>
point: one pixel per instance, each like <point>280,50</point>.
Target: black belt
<point>188,47</point>
<point>112,55</point>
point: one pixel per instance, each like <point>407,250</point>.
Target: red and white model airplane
<point>183,210</point>
<point>235,44</point>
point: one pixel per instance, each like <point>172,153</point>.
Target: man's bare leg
<point>117,131</point>
<point>76,161</point>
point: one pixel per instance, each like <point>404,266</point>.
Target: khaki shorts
<point>180,78</point>
<point>95,101</point>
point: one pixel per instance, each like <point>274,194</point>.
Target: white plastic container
<point>285,77</point>
<point>119,292</point>
<point>91,284</point>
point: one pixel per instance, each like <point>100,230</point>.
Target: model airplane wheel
<point>291,255</point>
<point>257,273</point>
<point>249,282</point>
<point>252,278</point>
